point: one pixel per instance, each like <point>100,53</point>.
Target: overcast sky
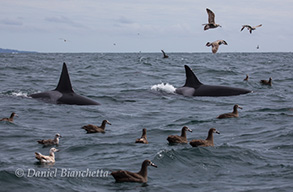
<point>144,25</point>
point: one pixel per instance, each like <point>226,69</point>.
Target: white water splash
<point>19,94</point>
<point>165,87</point>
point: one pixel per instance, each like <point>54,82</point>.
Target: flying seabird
<point>249,28</point>
<point>96,129</point>
<point>127,176</point>
<point>232,114</point>
<point>164,54</point>
<point>246,78</point>
<point>211,21</point>
<point>215,45</point>
<point>209,141</point>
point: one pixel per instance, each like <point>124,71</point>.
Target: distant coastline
<point>14,51</point>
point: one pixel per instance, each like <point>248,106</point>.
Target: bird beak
<point>152,164</point>
<point>189,130</point>
<point>240,107</point>
<point>217,132</point>
<point>109,123</point>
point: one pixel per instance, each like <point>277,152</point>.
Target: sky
<point>144,25</point>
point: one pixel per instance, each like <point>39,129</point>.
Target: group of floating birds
<point>141,176</point>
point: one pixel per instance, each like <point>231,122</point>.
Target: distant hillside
<point>14,51</point>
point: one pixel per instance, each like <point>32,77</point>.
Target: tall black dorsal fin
<point>191,79</point>
<point>64,85</point>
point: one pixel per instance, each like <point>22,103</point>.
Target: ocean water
<point>136,90</point>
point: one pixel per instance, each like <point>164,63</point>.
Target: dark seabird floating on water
<point>215,45</point>
<point>211,21</point>
<point>205,143</point>
<point>143,138</point>
<point>265,82</point>
<point>179,139</point>
<point>127,176</point>
<point>96,129</point>
<point>249,28</point>
<point>232,114</point>
<point>10,119</point>
<point>48,142</point>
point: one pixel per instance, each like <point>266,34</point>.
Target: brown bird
<point>127,176</point>
<point>211,21</point>
<point>232,114</point>
<point>47,159</point>
<point>96,129</point>
<point>164,54</point>
<point>265,82</point>
<point>205,143</point>
<point>249,28</point>
<point>179,139</point>
<point>215,45</point>
<point>49,142</point>
<point>10,119</point>
<point>246,78</point>
<point>143,138</point>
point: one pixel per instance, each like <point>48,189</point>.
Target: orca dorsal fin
<point>191,79</point>
<point>64,85</point>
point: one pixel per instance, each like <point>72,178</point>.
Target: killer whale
<point>193,87</point>
<point>63,94</point>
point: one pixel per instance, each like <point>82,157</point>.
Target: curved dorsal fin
<point>64,85</point>
<point>191,79</point>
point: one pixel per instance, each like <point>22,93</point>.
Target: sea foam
<point>164,87</point>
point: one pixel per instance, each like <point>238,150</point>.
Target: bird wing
<point>141,140</point>
<point>211,15</point>
<point>258,26</point>
<point>222,42</point>
<point>89,127</point>
<point>196,143</point>
<point>126,176</point>
<point>46,142</point>
<point>226,115</point>
<point>176,139</point>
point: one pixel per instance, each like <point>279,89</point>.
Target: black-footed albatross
<point>249,28</point>
<point>143,138</point>
<point>48,142</point>
<point>10,119</point>
<point>47,159</point>
<point>179,139</point>
<point>211,21</point>
<point>215,45</point>
<point>164,54</point>
<point>209,141</point>
<point>265,82</point>
<point>232,114</point>
<point>96,129</point>
<point>127,176</point>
